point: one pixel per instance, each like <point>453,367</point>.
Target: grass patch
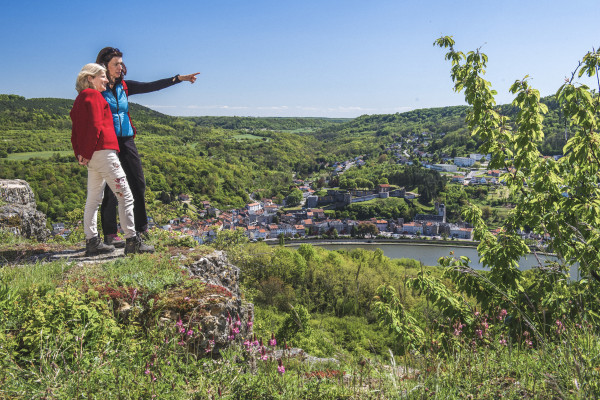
<point>45,277</point>
<point>148,273</point>
<point>248,136</point>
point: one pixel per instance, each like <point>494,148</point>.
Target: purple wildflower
<point>502,314</point>
<point>560,328</point>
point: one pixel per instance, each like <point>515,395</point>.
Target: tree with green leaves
<point>294,198</point>
<point>557,199</point>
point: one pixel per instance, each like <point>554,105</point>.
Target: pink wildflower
<point>273,341</point>
<point>280,368</point>
<point>479,333</point>
<point>560,328</point>
<point>239,321</point>
<point>190,333</point>
<point>179,323</point>
<point>502,314</point>
<point>458,327</point>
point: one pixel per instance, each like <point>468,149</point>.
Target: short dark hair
<point>107,54</point>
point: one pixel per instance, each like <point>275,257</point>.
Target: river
<point>428,254</point>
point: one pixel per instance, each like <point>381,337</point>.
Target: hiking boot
<point>114,240</point>
<point>95,246</point>
<point>135,245</point>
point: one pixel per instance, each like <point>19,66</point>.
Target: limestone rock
<point>18,212</point>
<point>218,311</point>
<point>215,269</point>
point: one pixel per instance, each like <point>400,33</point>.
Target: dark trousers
<point>132,165</point>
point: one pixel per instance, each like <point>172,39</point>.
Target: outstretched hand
<point>189,77</point>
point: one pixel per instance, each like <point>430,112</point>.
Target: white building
<point>464,161</point>
<point>445,167</point>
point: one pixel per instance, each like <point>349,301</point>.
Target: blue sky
<point>339,58</point>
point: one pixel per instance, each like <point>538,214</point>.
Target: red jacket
<point>93,127</point>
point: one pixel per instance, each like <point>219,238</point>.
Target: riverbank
<point>291,242</point>
<point>377,241</point>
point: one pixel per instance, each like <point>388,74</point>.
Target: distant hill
<point>445,129</point>
<point>38,113</point>
<point>269,123</point>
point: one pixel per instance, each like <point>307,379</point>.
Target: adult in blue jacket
<point>116,95</point>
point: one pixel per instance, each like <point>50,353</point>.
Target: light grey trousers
<point>105,168</point>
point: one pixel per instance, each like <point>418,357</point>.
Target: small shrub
<point>67,318</point>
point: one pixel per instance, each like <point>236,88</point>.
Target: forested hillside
<point>229,160</point>
<point>181,155</point>
<point>445,125</point>
<point>272,124</point>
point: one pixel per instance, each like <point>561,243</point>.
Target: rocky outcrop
<point>213,306</point>
<point>215,269</point>
<point>18,212</point>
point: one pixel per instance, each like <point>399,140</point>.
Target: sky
<point>310,58</point>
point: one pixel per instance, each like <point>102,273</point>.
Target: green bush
<point>68,320</point>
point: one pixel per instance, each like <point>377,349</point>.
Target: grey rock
<point>215,269</point>
<point>222,315</point>
<point>18,213</point>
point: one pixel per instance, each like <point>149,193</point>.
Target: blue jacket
<point>119,106</point>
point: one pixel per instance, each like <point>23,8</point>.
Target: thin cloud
<point>154,106</point>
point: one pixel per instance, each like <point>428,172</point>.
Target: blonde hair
<point>91,69</point>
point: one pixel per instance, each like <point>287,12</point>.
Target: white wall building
<point>464,161</point>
